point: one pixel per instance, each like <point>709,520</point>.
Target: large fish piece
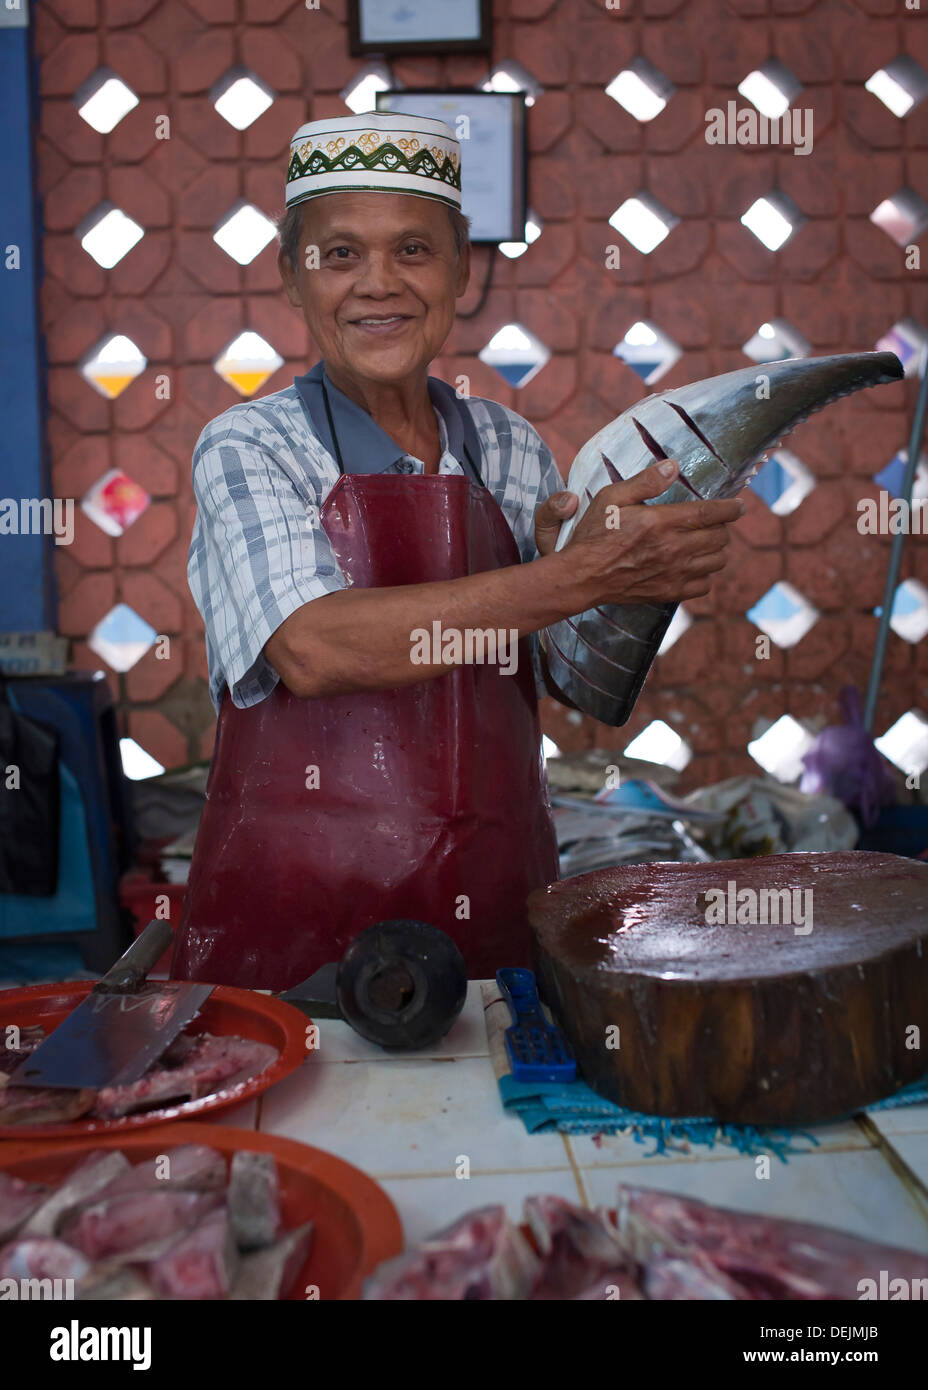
<point>719,430</point>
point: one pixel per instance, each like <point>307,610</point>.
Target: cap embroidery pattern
<point>424,163</point>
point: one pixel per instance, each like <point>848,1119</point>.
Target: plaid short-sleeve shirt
<point>260,473</point>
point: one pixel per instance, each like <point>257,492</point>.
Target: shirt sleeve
<point>258,553</point>
<point>549,482</point>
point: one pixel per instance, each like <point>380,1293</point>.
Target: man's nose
<point>378,276</point>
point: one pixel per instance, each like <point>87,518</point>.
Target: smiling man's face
<point>381,303</point>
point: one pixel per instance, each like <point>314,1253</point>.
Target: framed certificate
<point>491,129</point>
<point>418,26</point>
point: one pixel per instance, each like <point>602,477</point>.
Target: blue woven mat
<point>576,1109</point>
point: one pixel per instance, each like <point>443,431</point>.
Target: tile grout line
<point>910,1180</point>
<point>482,1173</point>
<point>576,1170</point>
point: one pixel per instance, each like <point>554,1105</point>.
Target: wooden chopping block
<point>751,1022</point>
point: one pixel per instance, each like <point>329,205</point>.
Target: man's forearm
<point>362,639</point>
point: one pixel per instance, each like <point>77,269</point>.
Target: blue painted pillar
<point>27,596</point>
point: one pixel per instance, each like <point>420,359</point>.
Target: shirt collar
<point>366,448</point>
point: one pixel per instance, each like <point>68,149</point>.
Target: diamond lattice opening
<point>783,614</point>
<point>903,217</point>
<point>771,88</point>
<point>244,232</point>
<point>900,86</point>
<point>513,77</point>
<point>104,99</point>
<point>909,341</point>
<point>112,365</point>
<point>782,482</point>
<point>641,89</point>
<point>247,363</point>
<point>905,743</point>
<point>108,234</point>
<point>533,226</point>
<point>909,618</point>
<point>122,638</point>
<point>892,475</point>
<point>773,220</point>
<point>515,353</point>
<point>136,763</point>
<point>648,351</point>
<point>659,743</point>
<point>776,340</point>
<point>240,97</point>
<point>780,747</point>
<point>643,221</point>
<point>361,92</point>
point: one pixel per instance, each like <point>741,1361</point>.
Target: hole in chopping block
<point>391,988</point>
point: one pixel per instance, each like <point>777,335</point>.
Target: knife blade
<point>124,1024</point>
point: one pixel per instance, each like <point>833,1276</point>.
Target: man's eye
<point>340,252</point>
<point>413,247</point>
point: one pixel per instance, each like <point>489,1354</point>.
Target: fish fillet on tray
<point>239,1044</point>
<point>191,1212</point>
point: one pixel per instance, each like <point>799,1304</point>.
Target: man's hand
<point>548,517</point>
<point>630,553</point>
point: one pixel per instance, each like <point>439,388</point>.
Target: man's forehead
<point>369,214</point>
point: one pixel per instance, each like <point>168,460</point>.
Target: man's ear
<point>289,278</point>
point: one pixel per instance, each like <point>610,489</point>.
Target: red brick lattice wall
<point>840,280</point>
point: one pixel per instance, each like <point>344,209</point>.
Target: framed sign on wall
<point>491,128</point>
<point>418,26</point>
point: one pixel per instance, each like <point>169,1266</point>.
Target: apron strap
<point>328,412</point>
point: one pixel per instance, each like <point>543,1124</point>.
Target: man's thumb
<point>650,482</point>
<point>548,517</point>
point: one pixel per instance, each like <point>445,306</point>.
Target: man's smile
<point>380,324</point>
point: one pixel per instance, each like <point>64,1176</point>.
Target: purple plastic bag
<point>844,763</point>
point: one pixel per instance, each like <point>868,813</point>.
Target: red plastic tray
<point>356,1224</point>
<point>227,1011</point>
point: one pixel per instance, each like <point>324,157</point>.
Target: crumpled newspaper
<point>764,816</point>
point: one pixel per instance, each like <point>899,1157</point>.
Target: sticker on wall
<point>115,501</point>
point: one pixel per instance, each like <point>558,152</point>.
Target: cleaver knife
<point>124,1024</point>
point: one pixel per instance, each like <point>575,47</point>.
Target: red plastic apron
<point>431,800</point>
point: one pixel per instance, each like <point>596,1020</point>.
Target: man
<point>365,770</point>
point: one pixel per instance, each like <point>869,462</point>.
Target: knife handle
<point>134,964</point>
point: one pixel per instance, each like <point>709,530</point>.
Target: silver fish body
<point>719,430</point>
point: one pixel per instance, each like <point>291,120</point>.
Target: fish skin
<point>264,1275</point>
<point>254,1200</point>
<point>599,659</point>
<point>95,1171</point>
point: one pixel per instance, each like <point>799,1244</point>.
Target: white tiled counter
<point>419,1122</point>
